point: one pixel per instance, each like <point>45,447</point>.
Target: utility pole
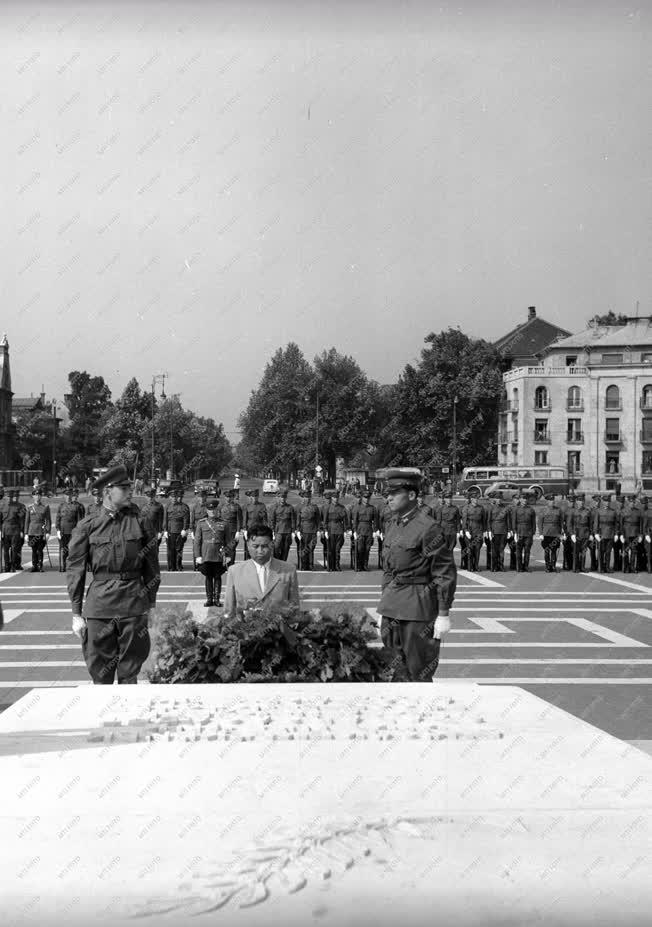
<point>158,377</point>
<point>317,435</point>
<point>454,448</point>
<point>54,446</point>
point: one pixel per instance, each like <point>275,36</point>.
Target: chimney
<point>531,313</point>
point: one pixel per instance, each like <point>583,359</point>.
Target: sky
<point>190,186</point>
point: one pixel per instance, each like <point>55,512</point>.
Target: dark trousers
<point>175,544</point>
<point>307,546</point>
<point>282,544</point>
<point>451,540</point>
<point>115,646</point>
<point>362,550</point>
<point>550,547</point>
<point>498,553</point>
<point>37,543</point>
<point>11,548</point>
<point>465,551</point>
<point>581,547</point>
<point>212,571</point>
<point>231,551</point>
<point>63,552</point>
<point>593,552</point>
<point>606,547</point>
<point>511,543</point>
<point>335,542</point>
<point>490,553</point>
<point>475,548</point>
<point>523,548</point>
<point>630,555</point>
<point>415,651</point>
<point>618,555</point>
<point>568,553</point>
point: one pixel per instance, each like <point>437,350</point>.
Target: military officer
<point>75,499</point>
<point>13,531</point>
<point>551,529</point>
<point>254,513</point>
<point>385,515</point>
<point>364,525</point>
<point>568,548</point>
<point>632,530</point>
<point>197,512</point>
<point>499,524</point>
<point>606,525</point>
<point>122,552</point>
<point>619,539</point>
<point>449,519</point>
<point>488,505</point>
<point>335,525</point>
<point>419,581</point>
<point>474,525</point>
<point>308,524</point>
<point>645,549</point>
<point>97,504</point>
<point>423,505</point>
<point>581,531</point>
<point>175,527</point>
<point>594,546</point>
<point>465,542</point>
<point>211,540</point>
<point>525,527</point>
<point>154,514</point>
<point>231,514</point>
<point>68,516</point>
<point>282,521</point>
<point>38,524</point>
<point>350,509</point>
<point>323,534</point>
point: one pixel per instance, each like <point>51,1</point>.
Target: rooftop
<point>530,337</point>
<point>636,333</point>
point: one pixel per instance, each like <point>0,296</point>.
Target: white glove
<point>326,534</point>
<point>199,560</point>
<point>47,538</point>
<point>192,535</point>
<point>237,535</point>
<point>381,536</point>
<point>515,536</point>
<point>159,536</point>
<point>509,534</point>
<point>459,534</point>
<point>640,538</point>
<point>298,534</point>
<point>78,625</point>
<point>184,533</point>
<point>622,538</point>
<point>165,535</point>
<point>648,539</point>
<point>598,537</point>
<point>376,534</point>
<point>485,534</point>
<point>573,538</point>
<point>468,534</point>
<point>59,535</point>
<point>442,626</point>
<point>245,535</point>
<point>490,535</point>
<point>355,535</point>
<point>591,537</point>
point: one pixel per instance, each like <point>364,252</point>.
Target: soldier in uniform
<point>594,545</point>
<point>80,506</point>
<point>645,550</point>
<point>154,514</point>
<point>364,525</point>
<point>385,515</point>
<point>97,504</point>
<point>551,529</point>
<point>323,533</point>
<point>525,527</point>
<point>68,517</point>
<point>308,523</point>
<point>567,544</point>
<point>283,523</point>
<point>632,530</point>
<point>255,513</point>
<point>449,519</point>
<point>38,524</point>
<point>581,527</point>
<point>12,528</point>
<point>499,524</point>
<point>335,524</point>
<point>122,552</point>
<point>175,527</point>
<point>474,525</point>
<point>488,505</point>
<point>231,514</point>
<point>197,512</point>
<point>619,539</point>
<point>606,525</point>
<point>211,539</point>
<point>419,581</point>
<point>423,505</point>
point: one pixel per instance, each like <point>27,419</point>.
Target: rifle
<point>380,551</point>
<point>48,553</point>
<point>353,552</point>
<point>298,545</point>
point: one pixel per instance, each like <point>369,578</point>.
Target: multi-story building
<point>587,405</point>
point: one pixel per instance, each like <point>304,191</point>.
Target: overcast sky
<point>189,186</point>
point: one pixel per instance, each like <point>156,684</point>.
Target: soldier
<point>255,513</point>
<point>568,546</point>
<point>80,506</point>
<point>328,498</point>
<point>551,529</point>
<point>308,523</point>
<point>645,551</point>
<point>499,524</point>
<point>449,519</point>
<point>335,524</point>
<point>38,524</point>
<point>175,527</point>
<point>594,546</point>
<point>632,530</point>
<point>364,525</point>
<point>154,514</point>
<point>422,505</point>
<point>619,538</point>
<point>68,516</point>
<point>488,506</point>
<point>231,514</point>
<point>419,581</point>
<point>12,527</point>
<point>350,509</point>
<point>581,528</point>
<point>283,523</point>
<point>385,515</point>
<point>474,525</point>
<point>525,527</point>
<point>197,512</point>
<point>122,552</point>
<point>211,540</point>
<point>606,525</point>
<point>96,505</point>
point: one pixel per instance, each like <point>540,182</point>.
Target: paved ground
<point>583,643</point>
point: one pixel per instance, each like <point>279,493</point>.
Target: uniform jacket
<point>282,518</point>
<point>364,519</point>
<point>385,517</point>
<point>67,517</point>
<point>426,509</point>
<point>38,521</point>
<point>632,523</point>
<point>308,518</point>
<point>13,520</point>
<point>154,513</point>
<point>177,517</point>
<point>552,523</point>
<point>449,517</point>
<point>255,514</point>
<point>335,518</point>
<point>81,507</point>
<point>243,588</point>
<point>524,521</point>
<point>197,512</point>
<point>212,536</point>
<point>474,519</point>
<point>606,523</point>
<point>419,573</point>
<point>122,552</point>
<point>231,513</point>
<point>581,522</point>
<point>499,520</point>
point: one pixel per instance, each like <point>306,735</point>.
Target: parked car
<point>210,486</point>
<point>505,491</point>
<point>270,487</point>
<point>163,488</point>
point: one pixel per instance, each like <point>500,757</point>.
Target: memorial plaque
<point>342,804</point>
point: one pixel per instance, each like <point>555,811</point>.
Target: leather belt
<point>125,575</point>
<point>411,581</point>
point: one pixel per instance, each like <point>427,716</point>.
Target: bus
<point>537,480</point>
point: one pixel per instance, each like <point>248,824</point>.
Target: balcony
<point>518,372</point>
<point>541,437</point>
<point>645,437</point>
<point>612,437</point>
<point>542,408</point>
<point>645,403</point>
<point>613,406</point>
<point>575,437</point>
<point>510,405</point>
<point>579,407</point>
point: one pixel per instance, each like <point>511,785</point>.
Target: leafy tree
<point>609,318</point>
<point>33,440</point>
<point>123,425</point>
<point>189,444</point>
<point>88,402</point>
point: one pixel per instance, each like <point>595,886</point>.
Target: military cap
<point>151,491</point>
<point>175,486</point>
<point>75,491</point>
<point>254,492</point>
<point>367,494</point>
<point>549,497</point>
<point>203,491</point>
<point>37,490</point>
<point>328,494</point>
<point>572,495</point>
<point>403,478</point>
<point>116,476</point>
<point>68,490</point>
<point>581,497</point>
<point>211,504</point>
<point>597,497</point>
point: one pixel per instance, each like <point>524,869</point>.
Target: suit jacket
<point>242,585</point>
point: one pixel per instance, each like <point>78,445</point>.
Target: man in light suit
<point>262,580</point>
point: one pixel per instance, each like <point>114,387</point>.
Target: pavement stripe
<point>621,582</point>
<point>606,633</point>
<point>48,683</point>
<point>481,580</point>
<point>543,681</point>
<point>10,615</point>
<point>41,646</point>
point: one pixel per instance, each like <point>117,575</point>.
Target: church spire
<point>5,370</point>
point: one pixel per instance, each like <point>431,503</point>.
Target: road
<point>582,642</point>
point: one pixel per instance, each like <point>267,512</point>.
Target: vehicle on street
<point>163,488</point>
<point>210,486</point>
<point>505,491</point>
<point>270,487</point>
<point>537,480</point>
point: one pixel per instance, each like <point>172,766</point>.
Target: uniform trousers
<point>362,550</point>
<point>11,548</point>
<point>307,546</point>
<point>568,553</point>
<point>63,552</point>
<point>175,544</point>
<point>282,544</point>
<point>490,552</point>
<point>523,548</point>
<point>113,646</point>
<point>550,544</point>
<point>212,571</point>
<point>606,547</point>
<point>231,551</point>
<point>475,548</point>
<point>335,542</point>
<point>618,555</point>
<point>465,548</point>
<point>581,547</point>
<point>415,651</point>
<point>630,555</point>
<point>37,543</point>
<point>451,539</point>
<point>498,553</point>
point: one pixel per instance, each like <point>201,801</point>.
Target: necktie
<point>263,578</point>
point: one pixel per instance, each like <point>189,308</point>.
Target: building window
<point>540,429</point>
<point>541,458</point>
<point>646,466</point>
<point>574,398</point>
<point>612,462</point>
<point>574,432</point>
<point>612,358</point>
<point>574,464</point>
<point>541,400</point>
<point>612,397</point>
<point>612,429</point>
<point>646,398</point>
<point>571,360</point>
<point>646,358</point>
<point>646,431</point>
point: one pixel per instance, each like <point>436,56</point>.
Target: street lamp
<point>54,446</point>
<point>158,377</point>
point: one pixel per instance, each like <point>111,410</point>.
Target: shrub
<point>283,644</point>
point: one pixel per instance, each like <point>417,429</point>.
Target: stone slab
<point>339,804</point>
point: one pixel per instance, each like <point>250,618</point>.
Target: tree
<point>123,425</point>
<point>609,318</point>
<point>33,440</point>
<point>419,430</point>
<point>188,444</point>
<point>88,401</point>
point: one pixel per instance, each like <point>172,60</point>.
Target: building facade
<point>6,395</point>
<point>524,344</point>
<point>586,406</point>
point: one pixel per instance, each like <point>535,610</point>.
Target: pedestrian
<point>87,484</point>
<point>236,482</point>
<point>112,623</point>
<point>525,527</point>
<point>197,512</point>
<point>12,528</point>
<point>211,539</point>
<point>551,529</point>
<point>282,520</point>
<point>68,517</point>
<point>364,525</point>
<point>175,527</point>
<point>38,525</point>
<point>419,581</point>
<point>231,513</point>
